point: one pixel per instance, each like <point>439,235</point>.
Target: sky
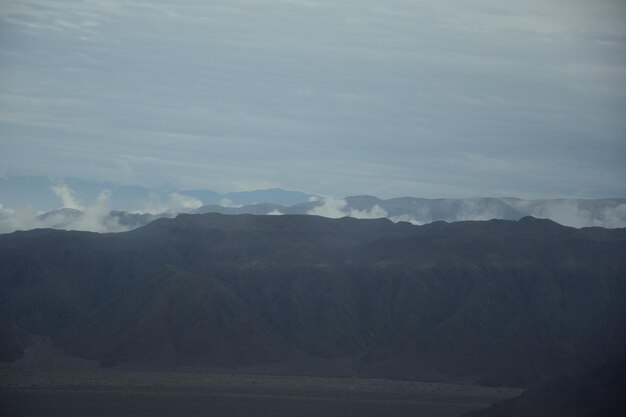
<point>389,98</point>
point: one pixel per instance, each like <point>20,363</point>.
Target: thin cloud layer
<point>568,212</point>
<point>175,203</point>
<point>423,98</point>
<point>338,207</point>
<point>97,217</point>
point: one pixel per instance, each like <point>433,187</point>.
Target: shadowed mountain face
<point>596,393</point>
<point>509,302</point>
<point>13,341</point>
<point>175,317</point>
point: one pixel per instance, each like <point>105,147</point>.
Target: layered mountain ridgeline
<point>596,393</point>
<point>610,213</point>
<point>37,192</point>
<point>503,302</point>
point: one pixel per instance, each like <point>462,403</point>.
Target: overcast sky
<point>390,98</point>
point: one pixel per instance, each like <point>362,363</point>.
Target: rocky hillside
<point>504,302</point>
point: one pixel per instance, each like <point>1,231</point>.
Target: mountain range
<point>43,194</point>
<point>33,202</point>
<point>498,302</point>
<point>577,213</point>
<point>569,212</point>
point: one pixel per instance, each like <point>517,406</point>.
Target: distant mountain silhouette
<point>34,192</point>
<point>502,302</point>
<point>569,212</point>
<point>88,206</point>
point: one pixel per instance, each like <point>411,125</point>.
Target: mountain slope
<point>570,212</point>
<point>174,317</point>
<point>597,393</point>
<point>503,302</point>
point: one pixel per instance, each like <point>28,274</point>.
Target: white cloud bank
<point>72,216</point>
<point>175,203</point>
<point>338,207</point>
<point>97,217</point>
<point>225,202</point>
<point>68,197</point>
<point>568,212</point>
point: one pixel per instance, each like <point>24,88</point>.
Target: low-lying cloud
<point>71,216</point>
<point>175,203</point>
<point>97,216</point>
<point>338,207</point>
<point>68,196</point>
<point>225,202</point>
<point>576,213</point>
<point>568,212</point>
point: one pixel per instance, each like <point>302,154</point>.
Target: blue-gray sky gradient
<point>395,97</point>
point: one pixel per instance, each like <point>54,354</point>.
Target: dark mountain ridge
<point>610,213</point>
<point>503,302</point>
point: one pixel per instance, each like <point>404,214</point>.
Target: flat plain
<point>101,392</point>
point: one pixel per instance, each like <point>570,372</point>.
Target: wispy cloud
<point>175,203</point>
<point>67,196</point>
<point>338,207</point>
<point>95,217</point>
<point>402,98</point>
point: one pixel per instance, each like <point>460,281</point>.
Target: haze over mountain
<point>22,200</point>
<point>44,194</point>
<point>425,190</point>
<point>500,302</point>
